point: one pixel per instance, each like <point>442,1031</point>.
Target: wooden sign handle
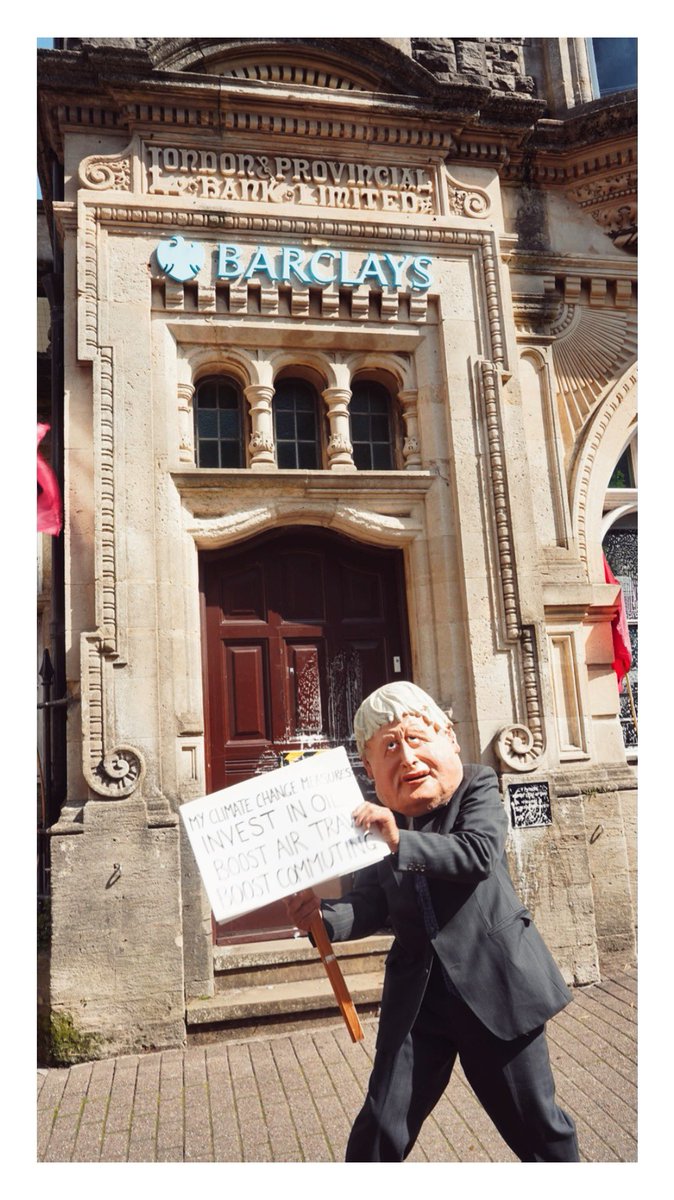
<point>334,972</point>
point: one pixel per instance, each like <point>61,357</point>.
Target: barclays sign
<point>182,261</point>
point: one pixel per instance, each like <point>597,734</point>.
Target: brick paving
<point>292,1097</point>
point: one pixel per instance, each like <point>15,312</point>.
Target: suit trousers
<point>512,1080</point>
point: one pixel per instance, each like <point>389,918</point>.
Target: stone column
<point>261,445</point>
<point>186,452</point>
<point>411,447</point>
<point>340,450</point>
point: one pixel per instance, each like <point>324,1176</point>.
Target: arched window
<point>371,426</point>
<point>218,423</point>
<point>296,424</point>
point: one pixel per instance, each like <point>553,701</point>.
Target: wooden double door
<point>298,626</point>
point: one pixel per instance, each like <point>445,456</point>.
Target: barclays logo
<point>180,260</point>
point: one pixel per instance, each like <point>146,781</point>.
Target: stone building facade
<point>349,362</point>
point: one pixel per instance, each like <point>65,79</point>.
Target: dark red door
<point>299,626</point>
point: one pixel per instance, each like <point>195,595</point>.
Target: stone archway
<point>607,434</point>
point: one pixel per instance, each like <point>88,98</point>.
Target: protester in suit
<point>468,972</point>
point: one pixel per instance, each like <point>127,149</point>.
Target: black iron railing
<point>48,805</point>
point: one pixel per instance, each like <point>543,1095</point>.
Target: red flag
<point>48,495</point>
<point>622,648</point>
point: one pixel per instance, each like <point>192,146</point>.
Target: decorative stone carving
<point>490,385</point>
<point>411,448</point>
<point>119,773</point>
<point>590,348</point>
<point>261,445</point>
<point>186,423</point>
<point>338,443</point>
<point>611,200</point>
<point>106,590</point>
<point>340,450</point>
<point>515,748</point>
<point>601,421</point>
<point>175,170</point>
<point>519,746</point>
<point>112,772</point>
<point>102,173</point>
<point>467,201</point>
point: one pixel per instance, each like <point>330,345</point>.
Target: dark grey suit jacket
<point>486,940</point>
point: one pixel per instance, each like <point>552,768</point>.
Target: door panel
<point>299,626</point>
<point>243,594</point>
<point>244,709</point>
<point>306,667</point>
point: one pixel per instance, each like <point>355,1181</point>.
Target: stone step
<point>278,1006</point>
<point>291,960</point>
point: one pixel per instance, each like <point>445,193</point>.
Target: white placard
<point>279,832</point>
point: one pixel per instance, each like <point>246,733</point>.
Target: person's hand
<point>378,821</point>
<point>302,908</point>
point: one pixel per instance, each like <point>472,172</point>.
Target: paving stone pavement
<point>292,1097</point>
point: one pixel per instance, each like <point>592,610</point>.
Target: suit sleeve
<point>361,912</point>
<point>475,844</point>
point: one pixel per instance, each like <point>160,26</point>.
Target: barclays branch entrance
<point>298,626</point>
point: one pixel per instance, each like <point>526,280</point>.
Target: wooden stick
<point>334,972</point>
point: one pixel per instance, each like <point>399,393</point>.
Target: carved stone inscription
<point>176,171</point>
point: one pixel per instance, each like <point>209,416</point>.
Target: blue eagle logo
<point>180,260</point>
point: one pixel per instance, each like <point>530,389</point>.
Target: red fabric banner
<point>49,509</point>
<point>622,649</point>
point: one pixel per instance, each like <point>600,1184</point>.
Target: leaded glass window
<point>371,435</point>
<point>218,425</point>
<point>296,424</point>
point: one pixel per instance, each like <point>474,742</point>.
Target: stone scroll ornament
<point>518,746</point>
<point>107,172</point>
<point>112,771</point>
<point>118,774</point>
<point>467,201</point>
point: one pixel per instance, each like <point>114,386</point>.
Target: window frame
<point>229,381</point>
<point>319,442</point>
<point>392,415</point>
